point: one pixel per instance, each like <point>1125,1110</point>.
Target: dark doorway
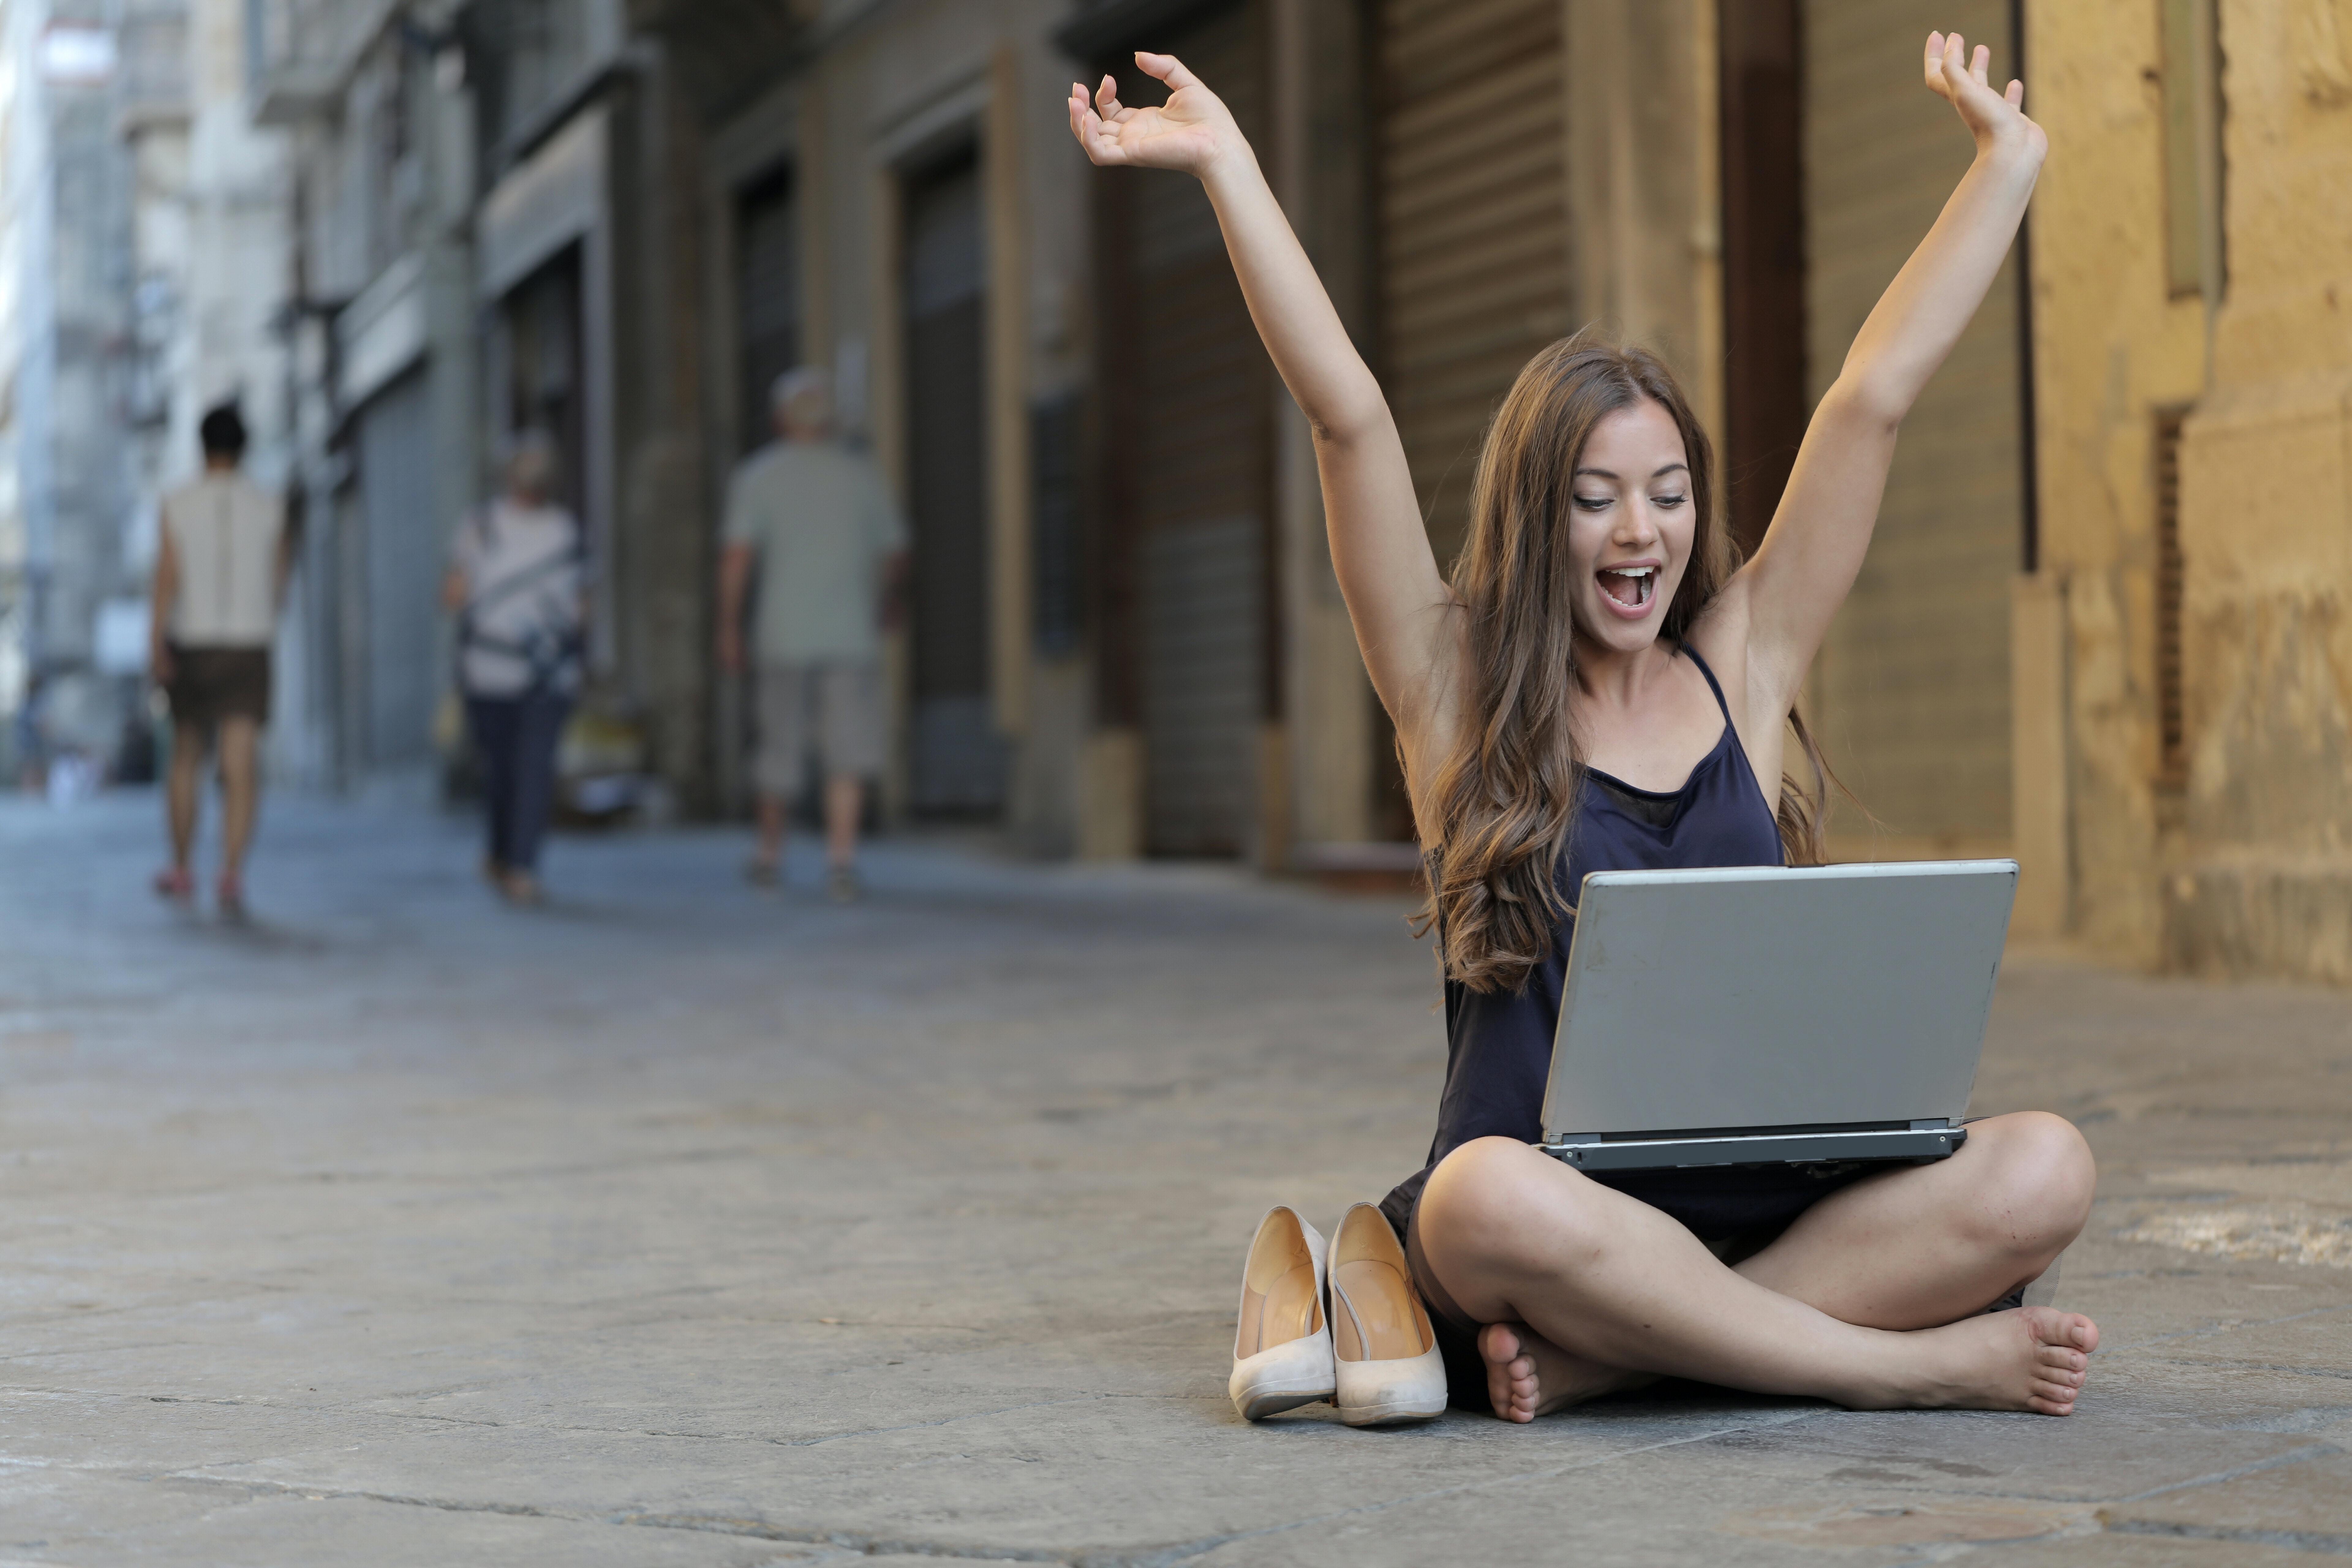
<point>403,557</point>
<point>768,255</point>
<point>958,756</point>
<point>1767,401</point>
<point>1188,636</point>
<point>544,381</point>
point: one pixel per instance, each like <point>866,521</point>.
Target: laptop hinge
<point>1932,1142</point>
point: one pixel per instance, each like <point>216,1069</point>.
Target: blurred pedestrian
<point>518,584</point>
<point>830,550</point>
<point>221,568</point>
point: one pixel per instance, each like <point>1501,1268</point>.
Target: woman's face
<point>1631,526</point>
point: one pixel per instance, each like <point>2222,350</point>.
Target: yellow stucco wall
<point>2262,879</point>
<point>2245,868</point>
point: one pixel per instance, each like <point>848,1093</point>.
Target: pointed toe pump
<point>1282,1351</point>
<point>1389,1366</point>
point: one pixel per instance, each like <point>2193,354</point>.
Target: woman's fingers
<point>1167,69</point>
<point>1952,66</point>
<point>1101,142</point>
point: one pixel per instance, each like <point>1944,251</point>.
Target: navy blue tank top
<point>1497,1044</point>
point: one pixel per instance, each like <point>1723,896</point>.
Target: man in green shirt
<point>811,519</point>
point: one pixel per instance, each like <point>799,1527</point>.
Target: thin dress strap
<point>1712,685</point>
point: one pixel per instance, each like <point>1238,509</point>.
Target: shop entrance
<point>956,754</point>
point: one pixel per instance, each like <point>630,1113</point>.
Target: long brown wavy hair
<point>1503,803</point>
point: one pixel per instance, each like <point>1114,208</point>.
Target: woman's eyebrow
<point>1606,474</point>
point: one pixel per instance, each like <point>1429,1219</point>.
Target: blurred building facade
<point>2185,659</point>
<point>66,686</point>
<point>210,228</point>
<point>372,99</point>
<point>622,218</point>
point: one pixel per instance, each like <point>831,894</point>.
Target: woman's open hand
<point>1189,134</point>
<point>1992,117</point>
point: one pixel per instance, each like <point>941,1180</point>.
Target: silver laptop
<point>1765,1015</point>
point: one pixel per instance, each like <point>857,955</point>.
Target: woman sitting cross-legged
<point>1602,685</point>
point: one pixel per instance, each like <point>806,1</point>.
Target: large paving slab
<point>683,1224</point>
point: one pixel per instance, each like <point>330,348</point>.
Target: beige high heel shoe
<point>1388,1365</point>
<point>1282,1349</point>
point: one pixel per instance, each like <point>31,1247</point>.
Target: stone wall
<point>2263,872</point>
<point>2216,843</point>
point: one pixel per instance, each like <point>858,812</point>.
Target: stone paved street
<point>679,1223</point>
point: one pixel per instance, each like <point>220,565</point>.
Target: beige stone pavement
<point>682,1223</point>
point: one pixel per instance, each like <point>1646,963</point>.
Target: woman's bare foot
<point>2030,1358</point>
<point>1528,1375</point>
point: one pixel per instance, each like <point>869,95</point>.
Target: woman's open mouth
<point>1629,589</point>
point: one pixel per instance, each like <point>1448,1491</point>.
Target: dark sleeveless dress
<point>1498,1046</point>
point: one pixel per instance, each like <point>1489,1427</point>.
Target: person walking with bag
<point>518,585</point>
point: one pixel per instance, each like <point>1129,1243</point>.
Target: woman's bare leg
<point>1924,1245</point>
<point>240,776</point>
<point>1586,1289</point>
<point>184,789</point>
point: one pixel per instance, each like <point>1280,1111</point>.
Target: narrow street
<point>679,1223</point>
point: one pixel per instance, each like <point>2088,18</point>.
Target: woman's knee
<point>2038,1182</point>
<point>1494,1198</point>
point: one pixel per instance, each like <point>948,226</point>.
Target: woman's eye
<point>1594,503</point>
<point>1669,500</point>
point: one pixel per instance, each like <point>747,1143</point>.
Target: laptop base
<point>1764,1147</point>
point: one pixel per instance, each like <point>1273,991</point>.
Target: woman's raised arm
<point>1810,557</point>
<point>1379,547</point>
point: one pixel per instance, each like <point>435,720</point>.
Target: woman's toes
<point>1511,1381</point>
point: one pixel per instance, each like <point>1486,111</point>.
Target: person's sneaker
<point>762,873</point>
<point>175,885</point>
<point>842,885</point>
<point>228,899</point>
<point>522,890</point>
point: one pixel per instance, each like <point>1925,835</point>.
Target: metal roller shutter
<point>1473,225</point>
<point>958,755</point>
<point>1196,480</point>
<point>769,249</point>
<point>1913,685</point>
<point>404,560</point>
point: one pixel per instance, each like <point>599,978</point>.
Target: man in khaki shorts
<point>830,550</point>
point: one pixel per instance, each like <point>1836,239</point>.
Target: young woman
<point>1598,687</point>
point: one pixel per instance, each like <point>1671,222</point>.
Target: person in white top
<point>518,585</point>
<point>220,570</point>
